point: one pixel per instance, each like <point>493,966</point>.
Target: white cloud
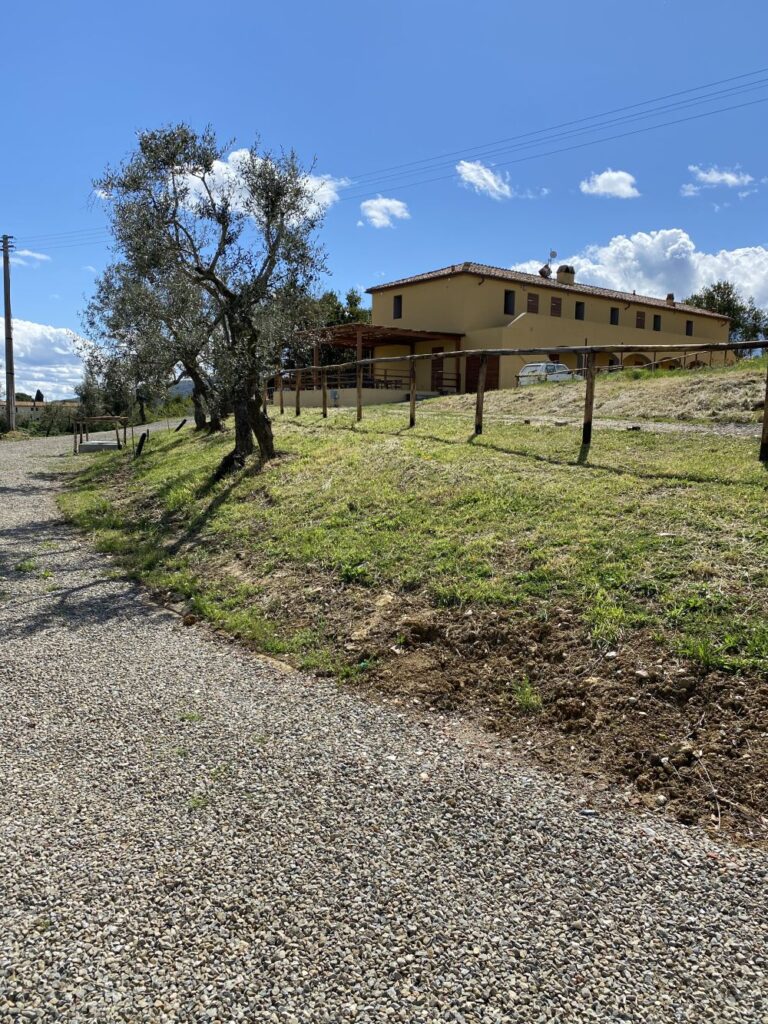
<point>225,179</point>
<point>27,258</point>
<point>747,192</point>
<point>483,180</point>
<point>45,358</point>
<point>689,189</point>
<point>657,262</point>
<point>382,212</point>
<point>91,269</point>
<point>714,176</point>
<point>611,184</point>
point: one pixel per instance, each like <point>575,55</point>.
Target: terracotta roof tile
<point>518,277</point>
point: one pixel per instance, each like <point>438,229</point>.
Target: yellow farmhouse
<point>473,306</point>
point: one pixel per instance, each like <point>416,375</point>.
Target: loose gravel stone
<point>189,834</point>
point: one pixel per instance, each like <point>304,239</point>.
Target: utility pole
<point>10,384</point>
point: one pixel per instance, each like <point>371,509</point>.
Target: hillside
<point>732,395</point>
<point>610,614</point>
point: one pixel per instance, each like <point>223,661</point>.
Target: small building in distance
<point>29,412</point>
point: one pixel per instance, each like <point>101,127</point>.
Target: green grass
<point>526,696</point>
<point>655,532</point>
<point>26,565</point>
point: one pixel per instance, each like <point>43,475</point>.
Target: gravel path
<point>190,834</point>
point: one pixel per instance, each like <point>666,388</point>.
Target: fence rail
<point>304,376</point>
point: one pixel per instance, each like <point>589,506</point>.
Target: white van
<point>541,373</point>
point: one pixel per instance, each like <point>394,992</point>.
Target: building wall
<point>474,306</point>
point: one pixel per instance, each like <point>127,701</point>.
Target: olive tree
<point>165,324</point>
<point>241,228</point>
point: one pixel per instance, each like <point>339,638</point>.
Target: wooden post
<point>589,399</point>
<point>315,362</point>
<point>480,394</point>
<point>125,433</point>
<point>298,392</point>
<point>324,387</point>
<point>74,437</point>
<point>117,435</point>
<point>359,348</point>
<point>764,437</point>
<point>280,390</point>
<point>412,374</point>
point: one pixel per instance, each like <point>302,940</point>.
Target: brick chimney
<point>566,274</point>
<point>670,298</point>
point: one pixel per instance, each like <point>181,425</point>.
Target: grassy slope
<point>715,396</point>
<point>660,535</point>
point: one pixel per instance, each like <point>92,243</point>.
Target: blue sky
<point>362,87</point>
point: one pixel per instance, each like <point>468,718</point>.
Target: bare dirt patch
<point>679,740</point>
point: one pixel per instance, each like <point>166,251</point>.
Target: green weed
<point>526,696</point>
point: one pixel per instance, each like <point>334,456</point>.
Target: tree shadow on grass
<point>581,460</point>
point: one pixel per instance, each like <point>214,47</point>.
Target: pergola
<point>362,336</point>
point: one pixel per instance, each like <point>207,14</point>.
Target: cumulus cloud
<point>657,262</point>
<point>27,258</point>
<point>610,184</point>
<point>475,175</point>
<point>382,212</point>
<point>226,178</point>
<point>45,358</point>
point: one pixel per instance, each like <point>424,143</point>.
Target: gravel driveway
<point>190,834</point>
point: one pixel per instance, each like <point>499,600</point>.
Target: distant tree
<point>39,396</point>
<point>56,419</point>
<point>328,310</point>
<point>89,390</point>
<point>22,396</point>
<point>748,321</point>
<point>331,310</point>
<point>243,232</point>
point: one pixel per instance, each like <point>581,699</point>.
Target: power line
<point>390,179</point>
<point>581,145</point>
<point>564,124</point>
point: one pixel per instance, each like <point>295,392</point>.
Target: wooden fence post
<point>589,399</point>
<point>764,437</point>
<point>412,375</point>
<point>359,392</point>
<point>298,392</point>
<point>324,387</point>
<point>280,389</point>
<point>480,394</point>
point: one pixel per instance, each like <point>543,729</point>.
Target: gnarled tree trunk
<point>200,419</point>
<point>261,425</point>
